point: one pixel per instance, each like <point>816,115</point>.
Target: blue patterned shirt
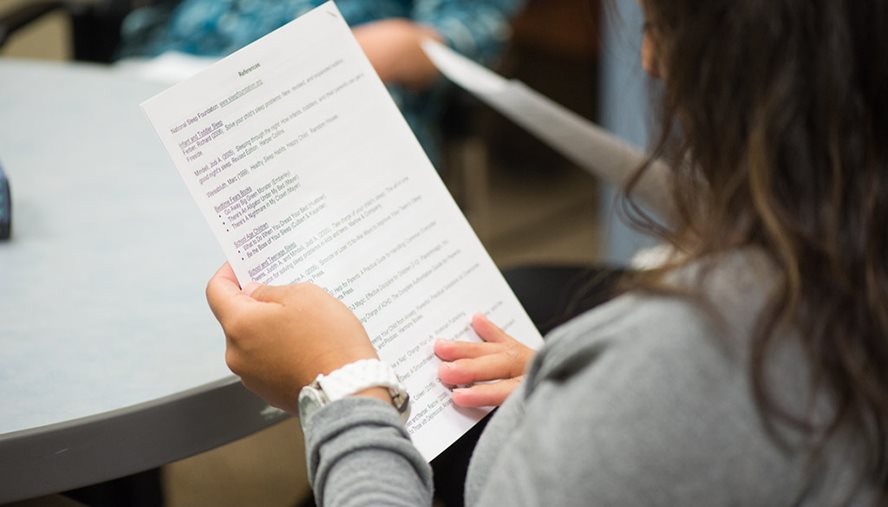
<point>475,28</point>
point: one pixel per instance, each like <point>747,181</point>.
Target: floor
<point>267,468</point>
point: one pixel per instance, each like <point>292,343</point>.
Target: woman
<point>746,371</point>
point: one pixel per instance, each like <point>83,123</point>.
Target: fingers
<point>485,395</point>
<point>499,357</point>
<point>480,369</point>
<point>494,340</point>
<point>448,350</point>
<point>488,331</point>
<point>223,286</point>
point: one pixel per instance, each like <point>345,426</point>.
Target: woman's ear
<point>650,59</point>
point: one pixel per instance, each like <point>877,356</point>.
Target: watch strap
<point>361,375</point>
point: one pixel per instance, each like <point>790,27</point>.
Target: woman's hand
<point>499,361</point>
<point>280,338</point>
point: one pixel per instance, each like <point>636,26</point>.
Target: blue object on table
<point>5,207</point>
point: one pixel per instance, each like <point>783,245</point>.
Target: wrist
<point>369,378</point>
<point>379,393</point>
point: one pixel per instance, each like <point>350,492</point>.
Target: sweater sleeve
<point>360,454</point>
<point>475,28</point>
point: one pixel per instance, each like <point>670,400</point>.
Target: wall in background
<point>47,39</point>
<point>624,100</point>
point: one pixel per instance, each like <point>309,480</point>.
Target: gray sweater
<point>643,401</point>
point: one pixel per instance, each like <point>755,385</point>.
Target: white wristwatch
<point>348,380</point>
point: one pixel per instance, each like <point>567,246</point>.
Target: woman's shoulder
<point>708,315</point>
<point>639,402</point>
<point>648,400</point>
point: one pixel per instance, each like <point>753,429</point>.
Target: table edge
<point>101,447</point>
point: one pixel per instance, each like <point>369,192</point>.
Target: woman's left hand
<point>491,370</point>
<point>280,338</point>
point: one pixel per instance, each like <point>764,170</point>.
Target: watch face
<point>310,400</point>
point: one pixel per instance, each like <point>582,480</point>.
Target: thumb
<point>266,293</point>
<point>224,294</point>
<point>488,331</point>
<point>251,287</point>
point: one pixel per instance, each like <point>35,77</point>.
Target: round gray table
<point>110,361</point>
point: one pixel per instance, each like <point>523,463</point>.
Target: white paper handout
<point>581,141</point>
<point>306,171</point>
<point>572,135</point>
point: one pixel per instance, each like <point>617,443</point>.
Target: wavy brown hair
<point>775,118</point>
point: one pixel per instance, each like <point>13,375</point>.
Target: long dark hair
<point>775,118</point>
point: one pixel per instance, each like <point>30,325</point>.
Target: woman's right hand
<point>491,369</point>
<point>280,338</point>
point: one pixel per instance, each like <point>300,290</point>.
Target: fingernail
<point>447,366</point>
<point>251,287</point>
